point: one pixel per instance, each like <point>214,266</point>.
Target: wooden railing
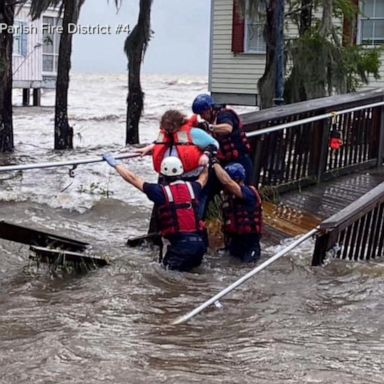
<point>356,232</point>
<point>300,155</point>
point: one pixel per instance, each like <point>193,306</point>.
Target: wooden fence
<point>291,149</point>
<point>354,233</point>
<point>300,155</point>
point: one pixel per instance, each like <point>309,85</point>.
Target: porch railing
<point>290,144</point>
<point>354,233</point>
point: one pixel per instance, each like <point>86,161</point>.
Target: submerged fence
<point>291,143</point>
<point>354,233</point>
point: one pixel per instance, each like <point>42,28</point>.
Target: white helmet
<point>171,166</point>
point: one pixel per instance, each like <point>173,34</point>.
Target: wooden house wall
<point>29,68</point>
<point>238,74</point>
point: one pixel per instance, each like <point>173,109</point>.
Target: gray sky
<point>179,45</point>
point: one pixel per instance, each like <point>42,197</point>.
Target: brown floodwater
<point>290,324</point>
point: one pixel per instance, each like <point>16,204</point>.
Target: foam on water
<point>97,110</point>
<point>290,324</point>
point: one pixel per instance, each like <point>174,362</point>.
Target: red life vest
<point>235,144</point>
<point>189,154</point>
<point>179,214</point>
<point>241,219</point>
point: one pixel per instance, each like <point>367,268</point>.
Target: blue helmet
<point>202,103</point>
<point>236,171</point>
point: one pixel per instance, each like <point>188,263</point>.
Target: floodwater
<point>291,323</point>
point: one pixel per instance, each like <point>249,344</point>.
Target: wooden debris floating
<point>50,248</point>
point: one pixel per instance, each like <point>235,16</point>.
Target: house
<point>237,48</point>
<point>35,52</point>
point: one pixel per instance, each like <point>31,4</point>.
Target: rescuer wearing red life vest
<point>180,137</point>
<point>224,124</point>
<point>177,204</point>
<point>242,213</point>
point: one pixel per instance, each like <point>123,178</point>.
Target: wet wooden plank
<point>60,257</point>
<point>300,211</point>
<point>25,235</point>
<point>328,198</point>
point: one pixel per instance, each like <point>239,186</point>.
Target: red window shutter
<point>237,28</point>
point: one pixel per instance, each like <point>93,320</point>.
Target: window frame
<point>259,24</point>
<point>55,45</point>
<point>361,18</point>
<point>17,36</point>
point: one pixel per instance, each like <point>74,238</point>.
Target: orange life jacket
<point>189,154</point>
<point>179,214</point>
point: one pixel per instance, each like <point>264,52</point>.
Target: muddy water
<point>290,324</point>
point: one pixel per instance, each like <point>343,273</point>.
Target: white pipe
<point>311,119</point>
<point>243,279</point>
<point>22,167</point>
<point>249,134</point>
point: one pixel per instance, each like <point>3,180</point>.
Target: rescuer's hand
<point>147,150</point>
<point>110,160</point>
<point>204,160</point>
<point>213,160</point>
<point>204,125</point>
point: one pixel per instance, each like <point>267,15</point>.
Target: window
<point>372,22</point>
<point>254,29</point>
<point>20,39</point>
<point>51,40</point>
<point>248,28</point>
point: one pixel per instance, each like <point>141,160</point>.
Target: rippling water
<point>290,324</point>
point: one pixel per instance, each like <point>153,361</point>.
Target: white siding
<point>230,73</point>
<point>29,68</point>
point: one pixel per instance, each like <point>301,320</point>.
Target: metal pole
<point>23,167</point>
<point>243,279</point>
<point>279,53</point>
<point>312,119</point>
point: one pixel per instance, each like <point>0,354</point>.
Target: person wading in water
<point>242,213</point>
<point>176,205</point>
<point>225,126</point>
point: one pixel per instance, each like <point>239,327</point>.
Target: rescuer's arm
<point>203,178</point>
<point>147,150</point>
<point>220,129</point>
<point>230,185</point>
<point>127,175</point>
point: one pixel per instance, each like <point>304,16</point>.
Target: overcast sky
<point>179,45</point>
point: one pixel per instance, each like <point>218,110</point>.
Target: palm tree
<point>135,47</point>
<point>7,13</point>
<point>71,12</point>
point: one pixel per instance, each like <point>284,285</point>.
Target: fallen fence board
<point>61,256</point>
<point>24,235</point>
